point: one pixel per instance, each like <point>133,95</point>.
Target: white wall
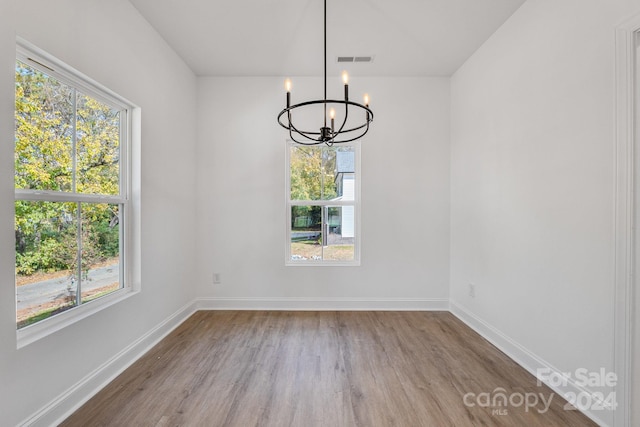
<point>111,43</point>
<point>532,188</point>
<point>405,194</point>
<point>521,204</point>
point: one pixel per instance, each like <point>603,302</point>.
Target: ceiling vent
<point>354,59</point>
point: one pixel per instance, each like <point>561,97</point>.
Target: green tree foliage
<point>312,177</point>
<point>65,141</point>
<point>312,173</point>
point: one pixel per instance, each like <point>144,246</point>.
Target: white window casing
<point>341,213</point>
<point>128,198</point>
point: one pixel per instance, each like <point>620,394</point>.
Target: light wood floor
<point>256,368</point>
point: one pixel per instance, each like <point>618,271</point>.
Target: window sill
<point>322,263</point>
<point>32,333</point>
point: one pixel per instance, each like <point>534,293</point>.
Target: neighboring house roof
<point>345,162</point>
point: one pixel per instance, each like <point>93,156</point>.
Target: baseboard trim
<point>324,304</point>
<point>66,403</point>
<point>525,358</point>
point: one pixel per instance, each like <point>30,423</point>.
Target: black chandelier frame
<point>327,134</point>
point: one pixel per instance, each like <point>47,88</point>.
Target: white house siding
<point>348,212</point>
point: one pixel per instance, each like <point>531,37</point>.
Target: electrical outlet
<point>472,290</point>
<point>216,279</point>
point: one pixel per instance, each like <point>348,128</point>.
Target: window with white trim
<point>73,209</point>
<point>323,203</point>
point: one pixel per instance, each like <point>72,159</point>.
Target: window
<point>72,190</point>
<point>323,197</point>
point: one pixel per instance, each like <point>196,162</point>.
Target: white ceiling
<point>285,37</point>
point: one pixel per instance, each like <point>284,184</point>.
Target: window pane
<point>47,271</point>
<point>322,233</point>
<point>51,119</point>
<point>46,259</point>
<point>100,250</point>
<point>328,173</point>
<point>306,233</point>
<point>340,232</point>
<point>342,164</point>
<point>305,167</point>
<point>43,134</point>
<point>322,173</point>
<point>98,147</point>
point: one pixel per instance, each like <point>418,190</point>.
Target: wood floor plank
<point>259,368</point>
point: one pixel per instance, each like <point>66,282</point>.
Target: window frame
<point>356,203</point>
<point>128,199</point>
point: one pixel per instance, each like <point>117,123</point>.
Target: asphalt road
<point>49,290</point>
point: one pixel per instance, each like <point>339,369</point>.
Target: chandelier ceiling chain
<point>327,134</point>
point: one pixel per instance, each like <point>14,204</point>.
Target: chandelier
<point>328,132</point>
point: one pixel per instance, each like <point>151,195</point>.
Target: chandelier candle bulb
<point>332,114</point>
<point>366,104</point>
<point>287,86</point>
<point>345,77</point>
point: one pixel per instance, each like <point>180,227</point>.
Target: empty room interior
<point>468,259</point>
